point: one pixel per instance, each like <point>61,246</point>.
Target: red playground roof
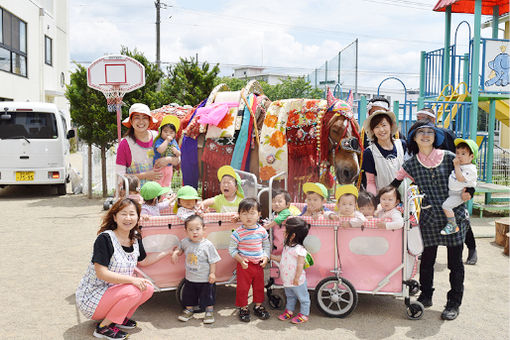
<point>468,6</point>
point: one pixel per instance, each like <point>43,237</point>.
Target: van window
<point>33,125</point>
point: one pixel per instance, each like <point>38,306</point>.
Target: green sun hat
<point>472,145</point>
<point>187,192</point>
<point>151,190</point>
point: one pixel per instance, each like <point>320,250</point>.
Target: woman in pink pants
<point>108,292</point>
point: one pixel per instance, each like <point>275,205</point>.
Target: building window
<point>48,50</point>
<point>13,43</point>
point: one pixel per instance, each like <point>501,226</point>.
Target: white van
<point>34,146</point>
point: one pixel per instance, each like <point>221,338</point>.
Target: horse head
<point>343,139</point>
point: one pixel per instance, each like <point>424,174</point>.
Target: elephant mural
<point>500,67</point>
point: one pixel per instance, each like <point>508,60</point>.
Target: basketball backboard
<point>118,72</point>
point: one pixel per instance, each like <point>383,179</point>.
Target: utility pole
<point>158,52</point>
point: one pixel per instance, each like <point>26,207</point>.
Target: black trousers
<point>201,294</point>
<point>456,267</point>
<point>470,239</point>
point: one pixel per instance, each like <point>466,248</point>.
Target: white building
<point>260,73</point>
<point>34,51</point>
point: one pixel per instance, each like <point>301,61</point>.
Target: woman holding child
<point>430,167</point>
<point>135,153</point>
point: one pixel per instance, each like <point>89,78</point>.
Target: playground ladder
<point>454,96</point>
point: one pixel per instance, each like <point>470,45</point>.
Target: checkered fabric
<point>433,182</point>
<point>325,222</point>
<point>165,220</point>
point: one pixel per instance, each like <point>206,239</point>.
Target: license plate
<point>24,175</point>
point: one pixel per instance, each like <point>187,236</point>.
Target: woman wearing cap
<point>385,155</point>
<point>430,168</point>
<point>135,154</point>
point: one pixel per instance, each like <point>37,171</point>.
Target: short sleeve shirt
<point>103,250</point>
<point>168,151</point>
<point>288,265</point>
<point>199,257</point>
<point>221,204</point>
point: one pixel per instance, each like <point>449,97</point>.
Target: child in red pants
<point>250,247</point>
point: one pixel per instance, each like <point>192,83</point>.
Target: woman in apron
<point>385,155</point>
<point>135,153</point>
<point>429,168</point>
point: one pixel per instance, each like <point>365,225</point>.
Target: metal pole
<point>495,21</point>
<point>356,72</point>
<point>422,74</point>
<point>475,71</point>
<point>158,51</point>
<point>339,58</point>
<point>446,55</point>
<point>326,75</point>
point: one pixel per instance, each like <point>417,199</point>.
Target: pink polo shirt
<point>431,161</point>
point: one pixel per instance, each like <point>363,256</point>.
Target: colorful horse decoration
<point>304,137</point>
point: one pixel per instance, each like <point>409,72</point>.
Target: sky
<point>287,36</point>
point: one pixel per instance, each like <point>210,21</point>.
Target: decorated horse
<point>310,139</point>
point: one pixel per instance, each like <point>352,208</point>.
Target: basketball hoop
<point>114,76</point>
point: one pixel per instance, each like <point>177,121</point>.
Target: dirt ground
<point>47,243</point>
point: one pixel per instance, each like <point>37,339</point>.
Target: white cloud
<point>299,34</point>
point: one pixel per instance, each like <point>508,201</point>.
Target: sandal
<point>286,315</point>
<point>300,318</point>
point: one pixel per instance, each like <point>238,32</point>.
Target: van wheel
<point>61,189</point>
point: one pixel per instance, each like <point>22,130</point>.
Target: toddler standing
<point>292,263</point>
<point>201,258</point>
<point>463,176</point>
<point>165,145</point>
<point>389,198</point>
<point>250,247</point>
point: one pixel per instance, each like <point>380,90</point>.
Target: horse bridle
<point>351,144</point>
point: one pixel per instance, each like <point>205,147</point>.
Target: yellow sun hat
<point>316,187</point>
<point>346,189</point>
<point>228,170</point>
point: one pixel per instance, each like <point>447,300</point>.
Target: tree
<point>298,88</point>
<point>188,82</point>
<point>96,126</point>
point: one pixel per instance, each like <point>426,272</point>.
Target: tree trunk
<point>103,171</point>
<point>89,177</point>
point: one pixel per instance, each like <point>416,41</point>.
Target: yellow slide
<point>447,112</point>
<point>502,110</point>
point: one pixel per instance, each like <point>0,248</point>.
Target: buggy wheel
<point>277,298</point>
<point>178,292</point>
<point>415,310</point>
<point>414,287</point>
<point>336,297</point>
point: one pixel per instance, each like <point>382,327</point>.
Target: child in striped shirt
<point>250,247</point>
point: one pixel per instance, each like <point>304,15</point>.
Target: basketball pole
<point>119,115</point>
